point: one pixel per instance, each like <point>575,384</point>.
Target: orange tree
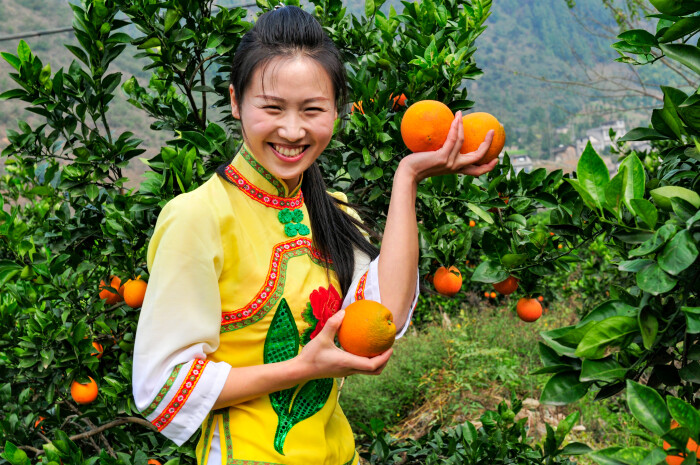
<point>68,222</point>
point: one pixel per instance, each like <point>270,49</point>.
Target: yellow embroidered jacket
<point>235,281</point>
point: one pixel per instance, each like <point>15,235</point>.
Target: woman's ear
<point>234,104</point>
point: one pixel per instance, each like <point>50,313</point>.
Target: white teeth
<point>288,152</point>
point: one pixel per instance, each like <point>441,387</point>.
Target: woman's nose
<point>292,128</point>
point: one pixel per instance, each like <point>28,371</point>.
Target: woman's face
<point>287,116</point>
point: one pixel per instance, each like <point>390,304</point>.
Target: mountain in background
<point>525,40</point>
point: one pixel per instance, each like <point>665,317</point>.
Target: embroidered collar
<point>246,173</point>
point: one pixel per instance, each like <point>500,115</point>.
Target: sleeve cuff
<point>185,399</point>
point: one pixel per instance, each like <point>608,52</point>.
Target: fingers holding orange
<point>367,329</point>
<point>476,127</point>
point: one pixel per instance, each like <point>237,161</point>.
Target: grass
<point>454,369</point>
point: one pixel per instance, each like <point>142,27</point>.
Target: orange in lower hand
<point>367,329</point>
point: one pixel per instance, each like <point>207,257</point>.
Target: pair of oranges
<point>132,292</point>
<point>425,126</point>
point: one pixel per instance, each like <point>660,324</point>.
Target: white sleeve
<point>365,285</point>
<point>174,385</point>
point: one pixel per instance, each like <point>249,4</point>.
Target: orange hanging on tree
<point>447,281</point>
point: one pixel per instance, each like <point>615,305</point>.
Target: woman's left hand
<point>447,159</point>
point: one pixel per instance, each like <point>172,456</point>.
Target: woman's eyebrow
<point>280,99</point>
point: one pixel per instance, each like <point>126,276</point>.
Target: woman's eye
<point>272,107</point>
<point>314,109</point>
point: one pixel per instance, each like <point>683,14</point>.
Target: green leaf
<point>654,280</point>
<point>692,319</point>
<point>12,60</point>
<point>606,456</point>
<point>563,388</point>
<point>373,174</point>
<point>512,260</point>
<point>489,272</point>
<point>24,52</point>
<point>607,369</point>
<point>575,448</point>
<point>198,140</point>
<point>681,28</point>
<point>481,213</point>
<point>645,210</point>
<point>634,180</point>
<point>684,414</point>
<point>593,175</point>
<point>661,236</point>
<point>604,334</point>
<point>649,327</point>
<point>150,43</point>
<point>607,310</point>
<point>690,372</point>
<point>639,134</point>
<point>638,37</point>
<point>370,8</point>
<point>585,195</point>
<point>679,253</point>
<point>565,426</point>
<point>14,455</point>
<point>171,18</point>
<point>662,196</point>
<point>688,55</point>
<point>92,191</point>
<point>635,266</point>
<point>648,407</point>
<point>614,192</point>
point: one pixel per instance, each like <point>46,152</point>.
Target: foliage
<point>499,440</point>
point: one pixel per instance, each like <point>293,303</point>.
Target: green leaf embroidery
<point>282,343</point>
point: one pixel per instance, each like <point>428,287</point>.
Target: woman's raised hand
<point>320,358</point>
<point>447,159</point>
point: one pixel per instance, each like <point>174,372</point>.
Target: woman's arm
<point>398,259</point>
<point>320,358</point>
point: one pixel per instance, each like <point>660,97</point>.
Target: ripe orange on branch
<point>425,125</point>
<point>507,286</point>
<point>367,329</point>
<point>476,126</point>
<point>447,281</point>
<point>691,446</point>
<point>528,309</point>
<point>134,292</point>
<point>107,294</point>
<point>84,393</point>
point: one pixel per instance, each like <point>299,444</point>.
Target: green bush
<point>400,387</point>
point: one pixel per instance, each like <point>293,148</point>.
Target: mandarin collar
<point>246,163</point>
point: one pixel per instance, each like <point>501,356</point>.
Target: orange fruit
<point>528,309</point>
<point>447,281</point>
<point>493,295</point>
<point>507,286</point>
<point>425,125</point>
<point>560,246</point>
<point>476,126</point>
<point>486,294</point>
<point>472,223</point>
<point>678,459</point>
<point>134,292</point>
<point>84,393</point>
<point>541,298</point>
<point>399,101</point>
<point>99,349</point>
<point>153,462</point>
<point>109,295</point>
<point>367,329</point>
<point>551,233</point>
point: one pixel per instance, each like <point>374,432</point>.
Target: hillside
<point>525,39</point>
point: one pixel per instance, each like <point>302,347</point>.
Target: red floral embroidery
<point>323,304</point>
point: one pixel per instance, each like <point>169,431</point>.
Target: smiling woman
<point>288,117</point>
<point>265,260</point>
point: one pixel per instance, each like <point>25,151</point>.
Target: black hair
<point>290,32</point>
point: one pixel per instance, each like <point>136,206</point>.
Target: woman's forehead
<point>298,78</point>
